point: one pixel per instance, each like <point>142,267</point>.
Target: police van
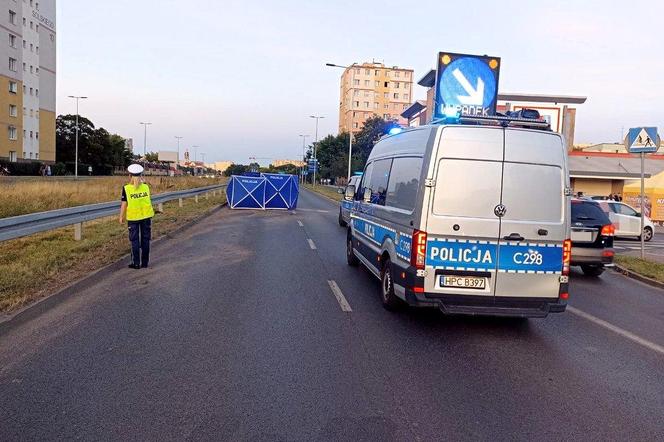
<point>346,206</point>
<point>470,217</point>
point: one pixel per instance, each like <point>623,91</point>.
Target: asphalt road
<point>235,333</point>
<point>631,246</point>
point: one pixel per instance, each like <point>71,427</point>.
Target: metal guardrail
<point>24,225</point>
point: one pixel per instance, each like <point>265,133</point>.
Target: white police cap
<point>135,169</point>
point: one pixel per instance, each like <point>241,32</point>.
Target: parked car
<point>592,237</point>
<point>627,220</point>
<point>345,206</point>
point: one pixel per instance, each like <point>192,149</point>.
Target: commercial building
<point>27,80</point>
<point>219,166</point>
<point>557,109</point>
<point>370,89</point>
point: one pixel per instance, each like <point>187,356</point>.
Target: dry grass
<point>37,265</point>
<point>330,192</point>
<point>18,197</point>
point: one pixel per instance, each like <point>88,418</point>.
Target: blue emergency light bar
<point>501,120</point>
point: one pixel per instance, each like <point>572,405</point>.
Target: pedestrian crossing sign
<point>642,140</point>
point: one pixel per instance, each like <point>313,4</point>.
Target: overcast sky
<point>240,78</point>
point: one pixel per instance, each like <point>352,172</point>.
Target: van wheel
<point>342,223</point>
<point>351,259</point>
<point>390,300</point>
<point>592,270</point>
<point>647,234</point>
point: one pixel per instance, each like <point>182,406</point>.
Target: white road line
<point>624,333</point>
<point>341,299</point>
<point>299,223</point>
<point>311,244</point>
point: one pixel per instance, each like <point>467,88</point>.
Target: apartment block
<point>370,89</point>
<point>27,80</point>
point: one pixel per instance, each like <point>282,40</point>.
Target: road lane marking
<point>341,299</point>
<point>299,223</point>
<point>624,333</point>
<point>311,244</point>
<point>315,210</point>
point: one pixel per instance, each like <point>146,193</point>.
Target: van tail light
<point>608,230</point>
<point>418,252</point>
<point>567,256</point>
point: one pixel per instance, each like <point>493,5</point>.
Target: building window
<point>406,74</point>
<point>37,71</point>
<point>32,69</point>
<point>386,116</point>
<point>37,92</point>
<point>32,47</point>
<point>356,103</point>
<point>387,84</point>
<point>37,135</point>
<point>24,68</point>
<point>13,110</point>
<point>356,82</point>
<point>366,82</point>
<point>32,2</point>
<point>31,112</point>
<point>376,72</point>
<point>12,17</point>
<point>396,96</point>
<point>25,44</point>
<point>367,71</point>
<point>12,133</point>
<point>37,49</point>
<point>37,28</point>
<point>25,89</point>
<point>36,155</point>
<point>32,25</point>
<point>405,106</point>
<point>366,104</point>
<point>12,64</point>
<point>405,96</point>
<point>356,125</point>
<point>397,73</point>
<point>30,155</point>
<point>37,6</point>
<point>396,85</point>
<point>30,134</point>
<point>13,87</point>
<point>32,91</point>
<point>12,41</point>
<point>37,113</point>
<point>377,84</point>
<point>24,21</point>
<point>25,111</point>
<point>376,105</point>
<point>12,156</point>
<point>385,94</point>
<point>406,86</point>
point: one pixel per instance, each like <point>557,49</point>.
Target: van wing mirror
<point>350,192</point>
<point>367,195</point>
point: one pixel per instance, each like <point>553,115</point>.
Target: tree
<point>374,128</point>
<point>152,157</point>
<point>236,169</point>
<point>65,137</point>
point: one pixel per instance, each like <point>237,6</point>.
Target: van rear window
<point>533,192</point>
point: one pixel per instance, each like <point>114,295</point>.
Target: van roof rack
<point>493,120</point>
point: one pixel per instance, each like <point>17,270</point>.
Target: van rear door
<point>462,230</point>
<point>533,226</point>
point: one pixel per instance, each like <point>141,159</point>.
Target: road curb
<point>42,305</point>
<point>637,276</point>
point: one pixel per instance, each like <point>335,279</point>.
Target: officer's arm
<point>123,211</point>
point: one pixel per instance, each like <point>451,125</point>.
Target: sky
<point>240,79</point>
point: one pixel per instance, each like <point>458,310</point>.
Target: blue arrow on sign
<point>466,83</point>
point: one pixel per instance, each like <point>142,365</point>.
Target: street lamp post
<point>76,149</point>
<point>177,163</point>
<point>316,141</point>
<point>145,139</point>
<point>350,130</point>
<point>304,160</point>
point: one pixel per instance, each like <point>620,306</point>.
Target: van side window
<point>378,181</point>
<point>366,177</point>
<point>404,182</point>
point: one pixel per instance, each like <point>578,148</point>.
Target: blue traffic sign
<point>467,84</point>
<point>642,140</point>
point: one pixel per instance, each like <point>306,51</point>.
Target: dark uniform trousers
<point>140,233</point>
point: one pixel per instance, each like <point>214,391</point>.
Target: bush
<point>59,169</point>
<point>31,168</point>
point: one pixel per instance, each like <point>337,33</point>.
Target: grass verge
<point>38,265</point>
<point>644,267</point>
<point>330,192</point>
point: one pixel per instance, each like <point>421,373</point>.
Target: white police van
<point>346,206</point>
<point>471,217</point>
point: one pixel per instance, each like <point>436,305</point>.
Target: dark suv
<point>592,237</point>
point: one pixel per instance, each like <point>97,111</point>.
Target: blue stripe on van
<point>377,234</point>
<point>482,256</point>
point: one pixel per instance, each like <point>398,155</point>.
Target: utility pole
<point>77,130</point>
<point>177,163</point>
<point>145,139</point>
<point>304,158</point>
<point>350,129</point>
<point>316,141</point>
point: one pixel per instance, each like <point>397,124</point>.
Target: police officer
<point>137,207</point>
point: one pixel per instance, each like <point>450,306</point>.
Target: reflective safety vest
<point>139,206</point>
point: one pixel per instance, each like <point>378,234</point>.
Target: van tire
<point>390,300</point>
<point>595,271</point>
<point>647,234</point>
<point>351,259</point>
<point>342,223</point>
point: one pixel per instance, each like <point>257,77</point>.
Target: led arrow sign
<point>467,83</point>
